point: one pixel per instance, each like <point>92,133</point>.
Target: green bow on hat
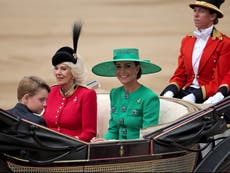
<point>124,54</point>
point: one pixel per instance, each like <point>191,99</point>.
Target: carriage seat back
<point>170,110</point>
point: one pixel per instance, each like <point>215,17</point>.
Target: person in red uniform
<point>204,56</point>
<point>71,107</point>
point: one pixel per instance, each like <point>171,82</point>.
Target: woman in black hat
<point>71,106</point>
<point>204,56</point>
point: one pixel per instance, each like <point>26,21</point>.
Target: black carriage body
<point>29,147</point>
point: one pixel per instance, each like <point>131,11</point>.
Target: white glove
<point>214,99</point>
<point>168,94</point>
<point>189,98</point>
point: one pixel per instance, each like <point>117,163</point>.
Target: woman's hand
<point>95,139</point>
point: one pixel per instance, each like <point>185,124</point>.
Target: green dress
<point>131,112</point>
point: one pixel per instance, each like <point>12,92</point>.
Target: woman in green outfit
<point>133,106</point>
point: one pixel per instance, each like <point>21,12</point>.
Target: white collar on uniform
<point>204,33</point>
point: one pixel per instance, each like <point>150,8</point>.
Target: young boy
<point>32,93</point>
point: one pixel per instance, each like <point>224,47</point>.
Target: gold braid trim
<point>215,34</point>
<point>203,90</point>
<point>70,92</point>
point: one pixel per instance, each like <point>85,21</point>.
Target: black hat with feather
<point>68,54</point>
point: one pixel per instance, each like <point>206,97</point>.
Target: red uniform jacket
<point>226,80</point>
<point>75,115</point>
<point>214,63</point>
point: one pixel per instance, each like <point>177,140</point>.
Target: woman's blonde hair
<point>78,70</point>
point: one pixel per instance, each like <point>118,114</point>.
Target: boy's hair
<point>31,85</point>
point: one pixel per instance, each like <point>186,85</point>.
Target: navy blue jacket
<point>23,111</point>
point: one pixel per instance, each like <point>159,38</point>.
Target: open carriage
<point>171,146</point>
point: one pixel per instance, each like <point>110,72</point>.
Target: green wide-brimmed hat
<point>107,68</point>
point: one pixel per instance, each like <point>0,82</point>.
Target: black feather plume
<point>76,33</point>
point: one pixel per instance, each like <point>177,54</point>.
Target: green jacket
<point>131,112</point>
